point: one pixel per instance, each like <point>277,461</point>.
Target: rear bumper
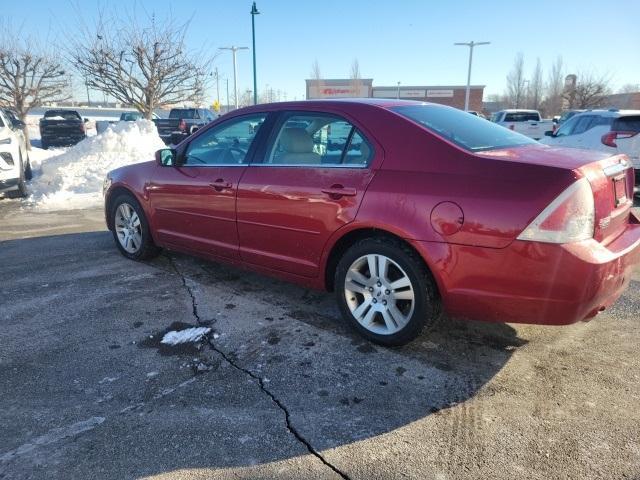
<point>530,282</point>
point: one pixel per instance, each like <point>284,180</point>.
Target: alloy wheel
<point>128,228</point>
<point>379,294</point>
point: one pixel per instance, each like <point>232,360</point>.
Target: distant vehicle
<point>62,128</point>
<point>526,122</point>
<point>505,229</point>
<point>181,123</point>
<point>15,168</point>
<point>133,116</point>
<point>611,131</point>
<point>566,115</point>
<point>477,114</point>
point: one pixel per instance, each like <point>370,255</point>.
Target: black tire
<point>44,145</point>
<point>28,173</point>
<point>21,191</point>
<point>147,249</point>
<point>426,307</point>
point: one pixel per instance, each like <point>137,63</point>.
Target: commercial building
<point>452,95</point>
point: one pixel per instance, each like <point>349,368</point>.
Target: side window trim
<point>250,153</point>
<point>281,117</point>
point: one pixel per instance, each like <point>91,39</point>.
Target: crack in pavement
<point>258,379</point>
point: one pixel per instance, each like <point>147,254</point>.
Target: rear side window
<point>467,131</point>
<point>316,139</point>
<point>627,124</point>
<point>521,117</point>
<point>62,115</point>
<point>188,113</point>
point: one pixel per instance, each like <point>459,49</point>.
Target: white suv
<point>14,160</point>
<point>611,131</point>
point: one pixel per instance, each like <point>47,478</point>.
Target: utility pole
<point>254,12</point>
<point>217,75</point>
<point>470,45</point>
<point>398,95</point>
<point>227,95</point>
<point>234,49</point>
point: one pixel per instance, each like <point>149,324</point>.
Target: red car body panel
<point>461,211</point>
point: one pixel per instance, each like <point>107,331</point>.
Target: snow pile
<point>188,335</point>
<point>74,178</point>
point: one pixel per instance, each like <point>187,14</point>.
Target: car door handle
<point>337,191</point>
<point>220,185</point>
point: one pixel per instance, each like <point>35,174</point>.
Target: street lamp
<point>470,45</point>
<point>234,49</point>
<point>398,95</point>
<point>254,12</point>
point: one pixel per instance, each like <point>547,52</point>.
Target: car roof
<point>608,113</point>
<point>336,102</point>
<point>514,110</point>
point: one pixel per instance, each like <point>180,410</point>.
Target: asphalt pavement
<point>281,388</point>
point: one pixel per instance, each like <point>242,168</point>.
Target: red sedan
<point>402,208</point>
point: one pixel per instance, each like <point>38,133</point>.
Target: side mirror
<point>86,120</point>
<point>166,157</point>
<point>194,130</point>
<point>549,133</point>
<point>18,124</point>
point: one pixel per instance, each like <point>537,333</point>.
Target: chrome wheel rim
<point>379,294</point>
<point>128,228</point>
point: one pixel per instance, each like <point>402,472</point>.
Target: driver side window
<point>225,144</point>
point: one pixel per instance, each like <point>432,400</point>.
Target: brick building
<point>452,95</point>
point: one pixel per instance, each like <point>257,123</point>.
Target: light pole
<point>234,49</point>
<point>470,45</point>
<point>254,12</point>
<point>398,95</point>
<point>217,75</point>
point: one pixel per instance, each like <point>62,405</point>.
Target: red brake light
<point>609,139</point>
<point>182,126</point>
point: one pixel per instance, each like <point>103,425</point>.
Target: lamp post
<point>398,95</point>
<point>254,12</point>
<point>470,45</point>
<point>234,49</point>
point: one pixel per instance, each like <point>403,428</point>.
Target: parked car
<point>423,208</point>
<point>610,131</point>
<point>133,116</point>
<point>526,122</point>
<point>62,128</point>
<point>181,123</point>
<point>15,168</point>
<point>566,115</point>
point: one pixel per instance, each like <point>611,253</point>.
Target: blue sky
<point>401,40</point>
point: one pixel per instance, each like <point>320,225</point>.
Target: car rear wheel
<point>131,229</point>
<point>385,291</point>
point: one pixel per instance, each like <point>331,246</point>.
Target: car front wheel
<point>385,291</point>
<point>131,229</point>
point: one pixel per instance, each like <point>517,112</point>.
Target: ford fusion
<point>404,209</point>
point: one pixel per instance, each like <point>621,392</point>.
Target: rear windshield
<point>62,115</point>
<point>627,124</point>
<point>521,116</point>
<point>467,131</point>
<point>130,116</point>
<point>188,113</point>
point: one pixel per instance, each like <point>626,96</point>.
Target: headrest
<point>296,140</point>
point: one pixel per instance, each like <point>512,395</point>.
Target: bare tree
<point>554,88</point>
<point>356,78</point>
<point>316,76</point>
<point>141,62</point>
<point>516,82</point>
<point>629,88</point>
<point>591,91</point>
<point>30,75</point>
<point>535,86</point>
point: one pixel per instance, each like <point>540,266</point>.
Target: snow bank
<point>188,335</point>
<point>73,178</point>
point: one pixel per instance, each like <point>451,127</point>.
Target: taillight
<point>182,126</point>
<point>82,128</point>
<point>609,139</point>
<point>569,218</point>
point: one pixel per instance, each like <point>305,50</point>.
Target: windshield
<point>130,116</point>
<point>188,113</point>
<point>467,131</point>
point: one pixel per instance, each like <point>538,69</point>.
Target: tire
<point>21,191</point>
<point>44,145</point>
<point>140,245</point>
<point>28,173</point>
<point>389,309</point>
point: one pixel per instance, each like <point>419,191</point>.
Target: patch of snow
<point>188,335</point>
<point>73,178</point>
